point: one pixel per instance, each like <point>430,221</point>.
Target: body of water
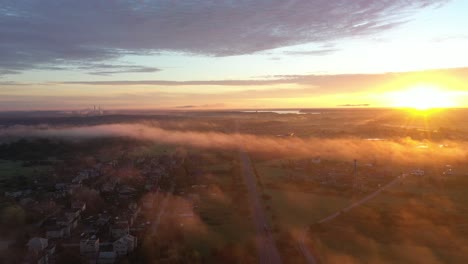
<point>282,112</point>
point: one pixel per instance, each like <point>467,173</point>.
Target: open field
<point>14,174</point>
<point>418,211</point>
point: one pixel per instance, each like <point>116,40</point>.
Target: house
<point>106,255</point>
<point>37,244</point>
<point>89,173</point>
<point>125,245</point>
<point>103,219</point>
<point>89,245</point>
<point>80,178</point>
<point>61,186</point>
<point>418,172</point>
<point>18,194</point>
<point>134,207</point>
<point>109,186</point>
<point>73,213</point>
<point>40,251</point>
<point>119,229</point>
<point>72,186</point>
<point>56,231</point>
<point>68,222</point>
<point>78,205</point>
<point>126,192</point>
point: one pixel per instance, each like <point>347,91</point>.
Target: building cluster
<point>98,236</point>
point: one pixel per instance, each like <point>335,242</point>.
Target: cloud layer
<point>160,93</point>
<point>37,33</point>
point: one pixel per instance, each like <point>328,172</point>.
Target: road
<point>267,250</point>
<point>309,258</point>
<point>360,202</point>
<point>302,246</point>
<point>161,212</point>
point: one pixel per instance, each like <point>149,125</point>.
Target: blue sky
<point>133,54</point>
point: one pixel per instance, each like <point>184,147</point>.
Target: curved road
<point>267,250</point>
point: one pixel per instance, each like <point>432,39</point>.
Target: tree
<point>13,216</point>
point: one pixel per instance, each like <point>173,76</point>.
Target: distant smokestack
<point>355,167</point>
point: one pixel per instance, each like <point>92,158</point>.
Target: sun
<point>423,98</point>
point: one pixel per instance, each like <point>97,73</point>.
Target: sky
<point>224,54</point>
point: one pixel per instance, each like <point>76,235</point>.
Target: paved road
<point>309,258</point>
<point>360,202</point>
<point>267,250</point>
<point>161,212</point>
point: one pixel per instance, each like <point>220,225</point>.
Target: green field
<point>422,218</point>
<point>407,224</point>
<point>291,206</point>
<point>13,173</point>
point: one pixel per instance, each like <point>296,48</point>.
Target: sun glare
<point>423,98</point>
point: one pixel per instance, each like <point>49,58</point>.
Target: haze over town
<point>233,131</point>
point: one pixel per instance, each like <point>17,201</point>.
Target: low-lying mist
<point>402,150</point>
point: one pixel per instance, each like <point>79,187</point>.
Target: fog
<point>399,150</point>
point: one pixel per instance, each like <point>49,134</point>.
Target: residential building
<point>40,251</point>
<point>56,231</point>
<point>89,245</point>
<point>119,229</point>
<point>125,245</point>
<point>79,205</point>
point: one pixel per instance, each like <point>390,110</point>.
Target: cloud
<point>6,72</point>
<point>317,83</point>
<point>109,69</point>
<point>354,105</point>
<point>244,92</point>
<point>35,33</point>
<point>218,105</point>
<point>190,83</point>
<point>318,52</point>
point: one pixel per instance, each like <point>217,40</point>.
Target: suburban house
<point>40,251</point>
<point>79,205</point>
<point>119,229</point>
<point>56,231</point>
<point>73,213</point>
<point>89,245</point>
<point>106,255</point>
<point>125,245</point>
<point>68,222</point>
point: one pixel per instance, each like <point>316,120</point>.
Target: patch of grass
<point>11,169</point>
<point>296,210</point>
<point>427,226</point>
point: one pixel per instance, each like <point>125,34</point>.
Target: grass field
<point>424,218</point>
<point>297,210</point>
<point>292,207</point>
<point>11,170</point>
<point>411,223</point>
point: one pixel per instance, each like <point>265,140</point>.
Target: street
<point>267,250</point>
